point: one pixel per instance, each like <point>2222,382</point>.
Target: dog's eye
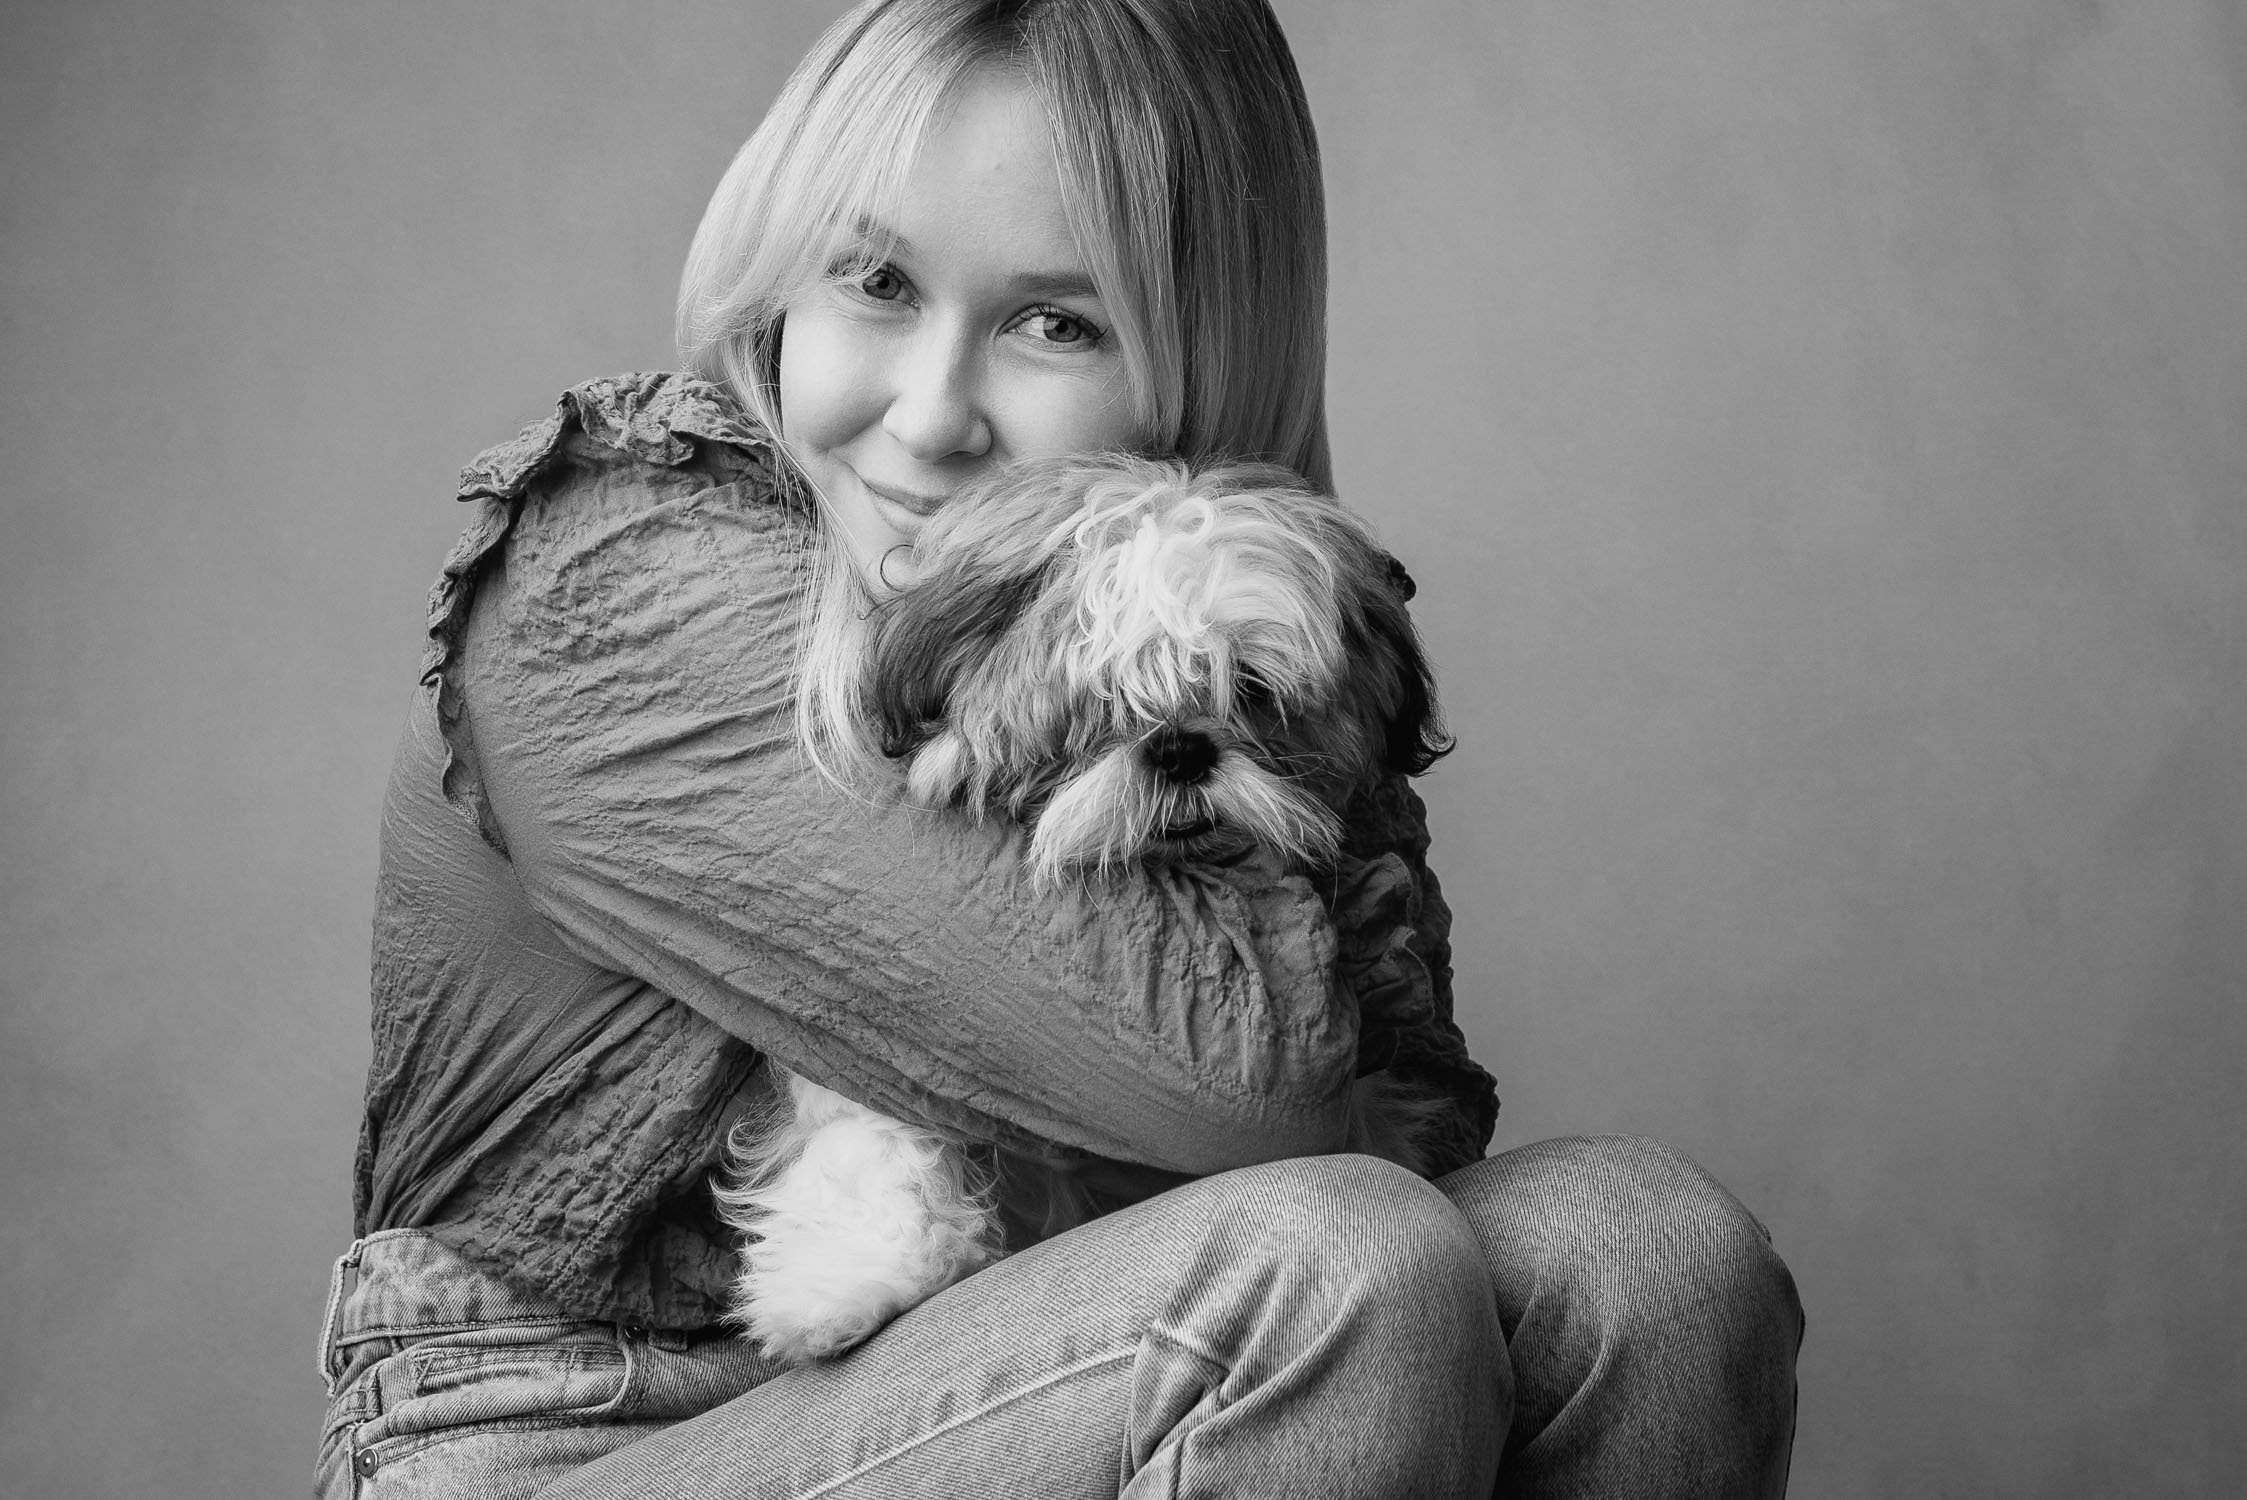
<point>1252,692</point>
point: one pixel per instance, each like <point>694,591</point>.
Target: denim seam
<point>1191,1346</point>
<point>353,1407</point>
<point>448,1359</point>
<point>988,1407</point>
<point>329,1344</point>
<point>390,1448</point>
<point>1210,1357</point>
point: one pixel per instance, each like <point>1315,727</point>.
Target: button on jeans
<point>1324,1327</point>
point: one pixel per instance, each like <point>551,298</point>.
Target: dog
<point>1138,660</point>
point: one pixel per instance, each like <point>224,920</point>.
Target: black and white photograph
<point>1107,749</point>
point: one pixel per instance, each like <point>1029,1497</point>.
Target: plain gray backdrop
<point>1819,431</point>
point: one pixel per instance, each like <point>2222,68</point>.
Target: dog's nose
<point>1183,756</point>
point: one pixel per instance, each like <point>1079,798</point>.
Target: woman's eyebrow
<point>866,234</point>
<point>1070,283</point>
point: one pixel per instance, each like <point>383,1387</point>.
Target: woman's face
<point>980,341</point>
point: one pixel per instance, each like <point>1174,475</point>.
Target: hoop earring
<point>881,569</point>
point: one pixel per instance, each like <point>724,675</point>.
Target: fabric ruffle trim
<point>653,418</point>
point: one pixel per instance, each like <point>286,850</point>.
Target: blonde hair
<point>1189,175</point>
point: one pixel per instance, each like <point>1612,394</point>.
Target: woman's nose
<point>935,410</point>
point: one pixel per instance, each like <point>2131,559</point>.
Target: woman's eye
<point>883,284</point>
<point>1050,325</point>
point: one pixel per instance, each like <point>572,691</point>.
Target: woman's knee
<point>1631,1230</point>
<point>1364,1219</point>
<point>1650,1322</point>
<point>1350,1284</point>
<point>1340,1241</point>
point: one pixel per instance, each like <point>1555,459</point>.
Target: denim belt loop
<point>346,1262</point>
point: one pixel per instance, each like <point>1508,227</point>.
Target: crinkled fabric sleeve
<point>622,695</point>
<point>1396,939</point>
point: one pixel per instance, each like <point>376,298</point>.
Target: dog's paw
<point>812,1292</point>
<point>799,1325</point>
<point>866,1218</point>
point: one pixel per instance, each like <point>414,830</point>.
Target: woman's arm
<point>1397,963</point>
<point>614,670</point>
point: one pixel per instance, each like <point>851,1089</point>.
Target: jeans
<point>1581,1317</point>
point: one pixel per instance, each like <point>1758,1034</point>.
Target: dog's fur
<point>1140,661</point>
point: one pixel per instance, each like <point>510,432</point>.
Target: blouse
<point>610,886</point>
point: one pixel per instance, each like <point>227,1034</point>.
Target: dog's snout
<point>1182,756</point>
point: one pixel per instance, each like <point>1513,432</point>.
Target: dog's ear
<point>1413,736</point>
<point>925,638</point>
<point>904,695</point>
<point>1400,580</point>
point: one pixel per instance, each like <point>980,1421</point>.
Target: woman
<point>613,879</point>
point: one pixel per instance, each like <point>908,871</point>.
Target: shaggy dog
<point>1137,660</point>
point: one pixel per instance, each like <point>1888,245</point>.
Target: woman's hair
<point>1189,176</point>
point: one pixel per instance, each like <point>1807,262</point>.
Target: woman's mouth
<point>920,505</point>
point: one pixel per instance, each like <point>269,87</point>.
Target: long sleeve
<point>1396,960</point>
<point>612,649</point>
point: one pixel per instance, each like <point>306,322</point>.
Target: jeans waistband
<point>403,1284</point>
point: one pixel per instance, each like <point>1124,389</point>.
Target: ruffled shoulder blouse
<point>610,887</point>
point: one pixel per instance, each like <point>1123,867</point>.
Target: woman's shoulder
<point>640,502</point>
<point>660,421</point>
<point>626,446</point>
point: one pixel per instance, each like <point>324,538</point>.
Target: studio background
<point>1820,434</point>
